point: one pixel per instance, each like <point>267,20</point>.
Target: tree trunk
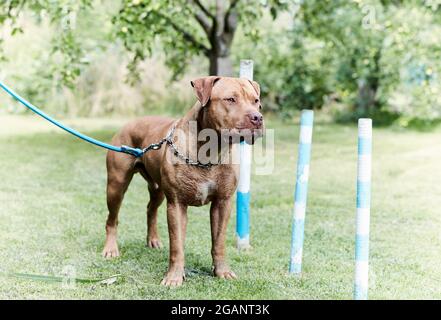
<point>368,87</point>
<point>221,38</point>
<point>366,97</point>
<point>220,65</point>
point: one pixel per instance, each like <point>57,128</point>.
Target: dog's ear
<point>255,86</point>
<point>202,87</point>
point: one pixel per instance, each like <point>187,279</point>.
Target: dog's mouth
<point>238,135</point>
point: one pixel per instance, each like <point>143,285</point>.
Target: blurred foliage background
<point>348,58</point>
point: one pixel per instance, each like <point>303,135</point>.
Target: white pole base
<point>243,243</point>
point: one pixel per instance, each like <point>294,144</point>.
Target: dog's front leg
<point>177,225</point>
<point>219,215</point>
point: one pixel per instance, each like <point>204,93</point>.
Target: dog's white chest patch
<point>205,189</point>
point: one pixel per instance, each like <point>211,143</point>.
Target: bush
<point>287,66</point>
<point>331,55</point>
<point>411,64</point>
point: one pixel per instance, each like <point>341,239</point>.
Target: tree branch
<point>202,16</point>
<point>231,16</point>
<point>233,5</point>
<point>203,21</point>
<point>220,18</point>
<point>187,36</point>
<point>203,9</point>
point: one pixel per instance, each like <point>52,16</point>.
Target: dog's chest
<point>205,191</point>
<point>198,190</point>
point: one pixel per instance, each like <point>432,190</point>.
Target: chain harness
<point>169,141</point>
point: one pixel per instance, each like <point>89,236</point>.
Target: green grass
<point>52,214</point>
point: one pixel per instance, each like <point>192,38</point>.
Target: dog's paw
<point>228,275</point>
<point>173,279</point>
<point>110,251</point>
<point>224,272</point>
<point>154,243</point>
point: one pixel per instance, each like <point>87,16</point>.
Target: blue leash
<point>124,149</point>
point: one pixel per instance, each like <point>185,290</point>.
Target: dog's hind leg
<point>119,174</point>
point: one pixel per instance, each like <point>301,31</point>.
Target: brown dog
<point>224,103</point>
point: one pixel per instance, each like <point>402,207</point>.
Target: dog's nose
<point>256,119</point>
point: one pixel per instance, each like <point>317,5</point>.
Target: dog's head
<point>231,106</point>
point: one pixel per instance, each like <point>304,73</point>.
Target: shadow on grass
<point>138,256</point>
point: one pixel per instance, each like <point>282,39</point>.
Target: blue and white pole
<point>363,209</point>
<point>301,193</point>
<point>243,189</point>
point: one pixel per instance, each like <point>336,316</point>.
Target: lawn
<point>52,215</point>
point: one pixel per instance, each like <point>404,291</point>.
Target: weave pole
<point>243,189</point>
<point>301,192</point>
<point>363,209</point>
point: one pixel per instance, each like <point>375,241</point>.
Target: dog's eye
<point>256,101</point>
<point>232,100</point>
<point>260,107</point>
